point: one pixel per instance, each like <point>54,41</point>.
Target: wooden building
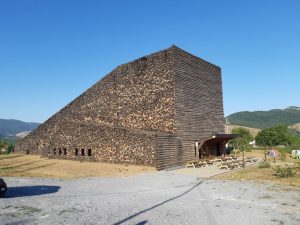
<point>161,110</point>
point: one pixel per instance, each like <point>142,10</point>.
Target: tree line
<point>6,146</point>
<point>278,135</point>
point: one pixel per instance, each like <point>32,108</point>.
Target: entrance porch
<point>211,146</point>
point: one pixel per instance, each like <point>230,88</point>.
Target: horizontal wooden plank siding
<point>198,101</point>
<point>169,151</point>
<point>198,109</point>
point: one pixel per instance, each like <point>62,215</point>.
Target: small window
<point>59,151</point>
<point>76,151</point>
<point>82,152</point>
<point>89,152</point>
<point>65,151</point>
<point>54,151</point>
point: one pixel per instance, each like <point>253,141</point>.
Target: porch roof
<point>216,137</point>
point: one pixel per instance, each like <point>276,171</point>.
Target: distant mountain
<point>293,108</point>
<point>10,128</point>
<point>264,119</point>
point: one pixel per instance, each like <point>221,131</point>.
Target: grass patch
<point>3,157</point>
<point>264,172</point>
<point>261,174</point>
<point>66,211</point>
<point>264,164</point>
<point>265,197</point>
<point>284,172</point>
<point>28,210</point>
<point>35,166</point>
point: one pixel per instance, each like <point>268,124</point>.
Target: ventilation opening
<point>54,151</point>
<point>59,151</point>
<point>76,151</point>
<point>89,152</point>
<point>65,151</point>
<point>82,152</point>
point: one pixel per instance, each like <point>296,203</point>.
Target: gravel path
<point>153,198</point>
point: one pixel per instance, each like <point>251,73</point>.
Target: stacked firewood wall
<point>149,111</point>
<point>139,95</point>
<point>107,144</point>
<point>116,118</point>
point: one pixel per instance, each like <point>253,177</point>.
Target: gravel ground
<point>153,198</point>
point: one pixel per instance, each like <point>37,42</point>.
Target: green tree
<point>9,145</point>
<point>243,139</point>
<point>10,148</point>
<point>273,136</point>
<point>295,141</point>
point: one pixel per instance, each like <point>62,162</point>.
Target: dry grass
<point>35,166</point>
<point>295,127</point>
<point>253,131</point>
<point>264,174</point>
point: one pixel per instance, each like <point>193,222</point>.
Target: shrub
<point>285,171</point>
<point>243,139</point>
<point>10,148</point>
<point>297,166</point>
<point>282,154</point>
<point>264,164</point>
<point>235,151</point>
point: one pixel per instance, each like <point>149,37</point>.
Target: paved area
<point>210,171</point>
<point>203,172</point>
<point>165,197</point>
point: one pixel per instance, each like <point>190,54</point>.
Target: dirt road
<point>152,198</point>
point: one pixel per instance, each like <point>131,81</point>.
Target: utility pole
<point>227,126</point>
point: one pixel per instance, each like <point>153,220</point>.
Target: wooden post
<point>244,159</point>
<point>196,150</point>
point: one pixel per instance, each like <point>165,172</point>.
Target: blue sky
<point>53,50</point>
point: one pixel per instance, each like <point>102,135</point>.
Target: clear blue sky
<point>53,50</point>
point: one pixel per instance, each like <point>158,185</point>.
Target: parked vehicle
<point>3,187</point>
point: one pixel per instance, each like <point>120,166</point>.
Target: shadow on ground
<point>158,205</point>
<point>142,223</point>
<point>26,191</point>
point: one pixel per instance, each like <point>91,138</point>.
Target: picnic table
<point>216,160</point>
<point>251,159</point>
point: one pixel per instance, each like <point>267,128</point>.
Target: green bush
<point>7,145</point>
<point>297,166</point>
<point>285,171</point>
<point>235,151</point>
<point>243,139</point>
<point>264,164</point>
<point>10,148</point>
<point>282,154</point>
<point>273,136</point>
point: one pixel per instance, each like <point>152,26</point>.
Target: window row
<point>64,151</point>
